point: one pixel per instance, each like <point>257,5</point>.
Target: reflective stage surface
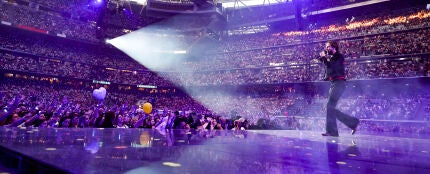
<point>179,151</point>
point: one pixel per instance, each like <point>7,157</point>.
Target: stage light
<point>96,3</point>
<point>142,2</point>
<point>341,162</point>
<point>180,52</point>
<point>120,147</point>
<point>171,164</point>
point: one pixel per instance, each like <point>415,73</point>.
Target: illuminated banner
<point>146,86</point>
<point>101,82</point>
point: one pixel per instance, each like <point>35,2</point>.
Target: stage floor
<point>179,151</point>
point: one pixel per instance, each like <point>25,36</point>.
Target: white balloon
<point>99,94</point>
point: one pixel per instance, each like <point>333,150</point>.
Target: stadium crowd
<point>375,48</point>
<point>59,106</point>
<point>367,26</point>
<point>42,21</point>
<point>106,64</point>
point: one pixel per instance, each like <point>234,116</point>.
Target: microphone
<point>322,55</point>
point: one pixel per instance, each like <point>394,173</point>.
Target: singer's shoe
<point>354,130</point>
<point>329,135</point>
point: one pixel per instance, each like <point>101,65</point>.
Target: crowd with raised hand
<point>35,105</point>
<point>32,105</point>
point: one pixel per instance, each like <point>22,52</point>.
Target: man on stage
<point>334,64</point>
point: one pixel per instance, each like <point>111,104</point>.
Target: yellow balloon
<point>147,108</point>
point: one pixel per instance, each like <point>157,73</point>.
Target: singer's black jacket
<point>334,67</point>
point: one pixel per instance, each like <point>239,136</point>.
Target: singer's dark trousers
<point>337,87</point>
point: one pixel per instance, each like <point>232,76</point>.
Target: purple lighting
<point>96,2</point>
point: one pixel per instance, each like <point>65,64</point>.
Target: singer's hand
<point>323,54</point>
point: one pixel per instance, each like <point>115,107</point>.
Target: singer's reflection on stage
<point>341,159</point>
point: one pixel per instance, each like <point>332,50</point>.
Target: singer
<point>334,65</point>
